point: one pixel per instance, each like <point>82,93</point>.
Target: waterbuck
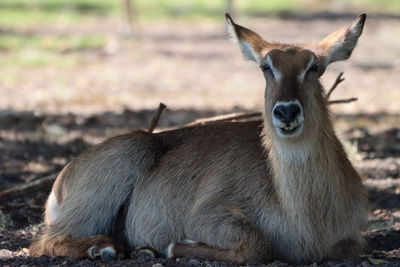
<point>281,188</point>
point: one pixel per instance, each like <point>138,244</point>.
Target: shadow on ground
<point>36,145</point>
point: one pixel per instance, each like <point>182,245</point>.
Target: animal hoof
<point>169,252</point>
<point>143,252</point>
<point>93,252</point>
<point>106,254</point>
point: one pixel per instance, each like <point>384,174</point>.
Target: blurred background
<point>90,56</point>
<point>74,72</point>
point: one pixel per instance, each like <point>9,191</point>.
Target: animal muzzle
<point>288,118</point>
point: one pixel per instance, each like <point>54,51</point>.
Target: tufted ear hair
<point>340,44</point>
<point>252,45</point>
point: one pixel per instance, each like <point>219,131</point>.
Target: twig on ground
<point>30,187</point>
<point>156,118</point>
<point>225,117</point>
<point>338,80</point>
<point>30,205</point>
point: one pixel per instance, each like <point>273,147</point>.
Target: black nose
<point>286,113</point>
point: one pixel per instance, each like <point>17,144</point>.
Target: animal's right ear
<point>251,44</point>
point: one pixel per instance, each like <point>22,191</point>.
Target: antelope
<point>241,192</point>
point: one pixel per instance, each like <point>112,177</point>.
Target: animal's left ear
<point>340,44</point>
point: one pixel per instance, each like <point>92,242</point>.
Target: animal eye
<point>265,68</point>
<point>313,68</point>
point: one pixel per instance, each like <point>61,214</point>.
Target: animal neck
<point>315,185</point>
<point>306,172</point>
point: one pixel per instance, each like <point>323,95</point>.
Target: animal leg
<point>222,233</point>
<point>346,248</point>
<point>94,247</point>
<point>89,194</point>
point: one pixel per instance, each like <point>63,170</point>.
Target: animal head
<point>294,97</point>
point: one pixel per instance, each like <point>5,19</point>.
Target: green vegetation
<point>55,12</point>
<point>51,43</point>
<point>212,9</point>
<point>383,6</point>
<point>34,50</point>
<point>208,9</point>
<point>31,31</point>
<point>14,13</point>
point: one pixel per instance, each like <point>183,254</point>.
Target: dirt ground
<point>50,114</point>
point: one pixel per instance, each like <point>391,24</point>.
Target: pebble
<point>5,254</point>
<point>194,261</point>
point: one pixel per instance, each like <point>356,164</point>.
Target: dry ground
<point>50,114</point>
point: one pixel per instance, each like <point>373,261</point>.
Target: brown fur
<point>70,246</point>
<point>239,190</point>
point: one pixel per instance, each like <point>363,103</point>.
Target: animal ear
<point>249,42</point>
<point>340,44</point>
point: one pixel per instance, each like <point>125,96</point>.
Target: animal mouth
<point>290,131</point>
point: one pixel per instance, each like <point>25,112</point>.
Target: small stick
<point>156,118</point>
<point>225,117</point>
<point>11,206</point>
<point>342,101</point>
<point>23,189</point>
<point>338,80</point>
